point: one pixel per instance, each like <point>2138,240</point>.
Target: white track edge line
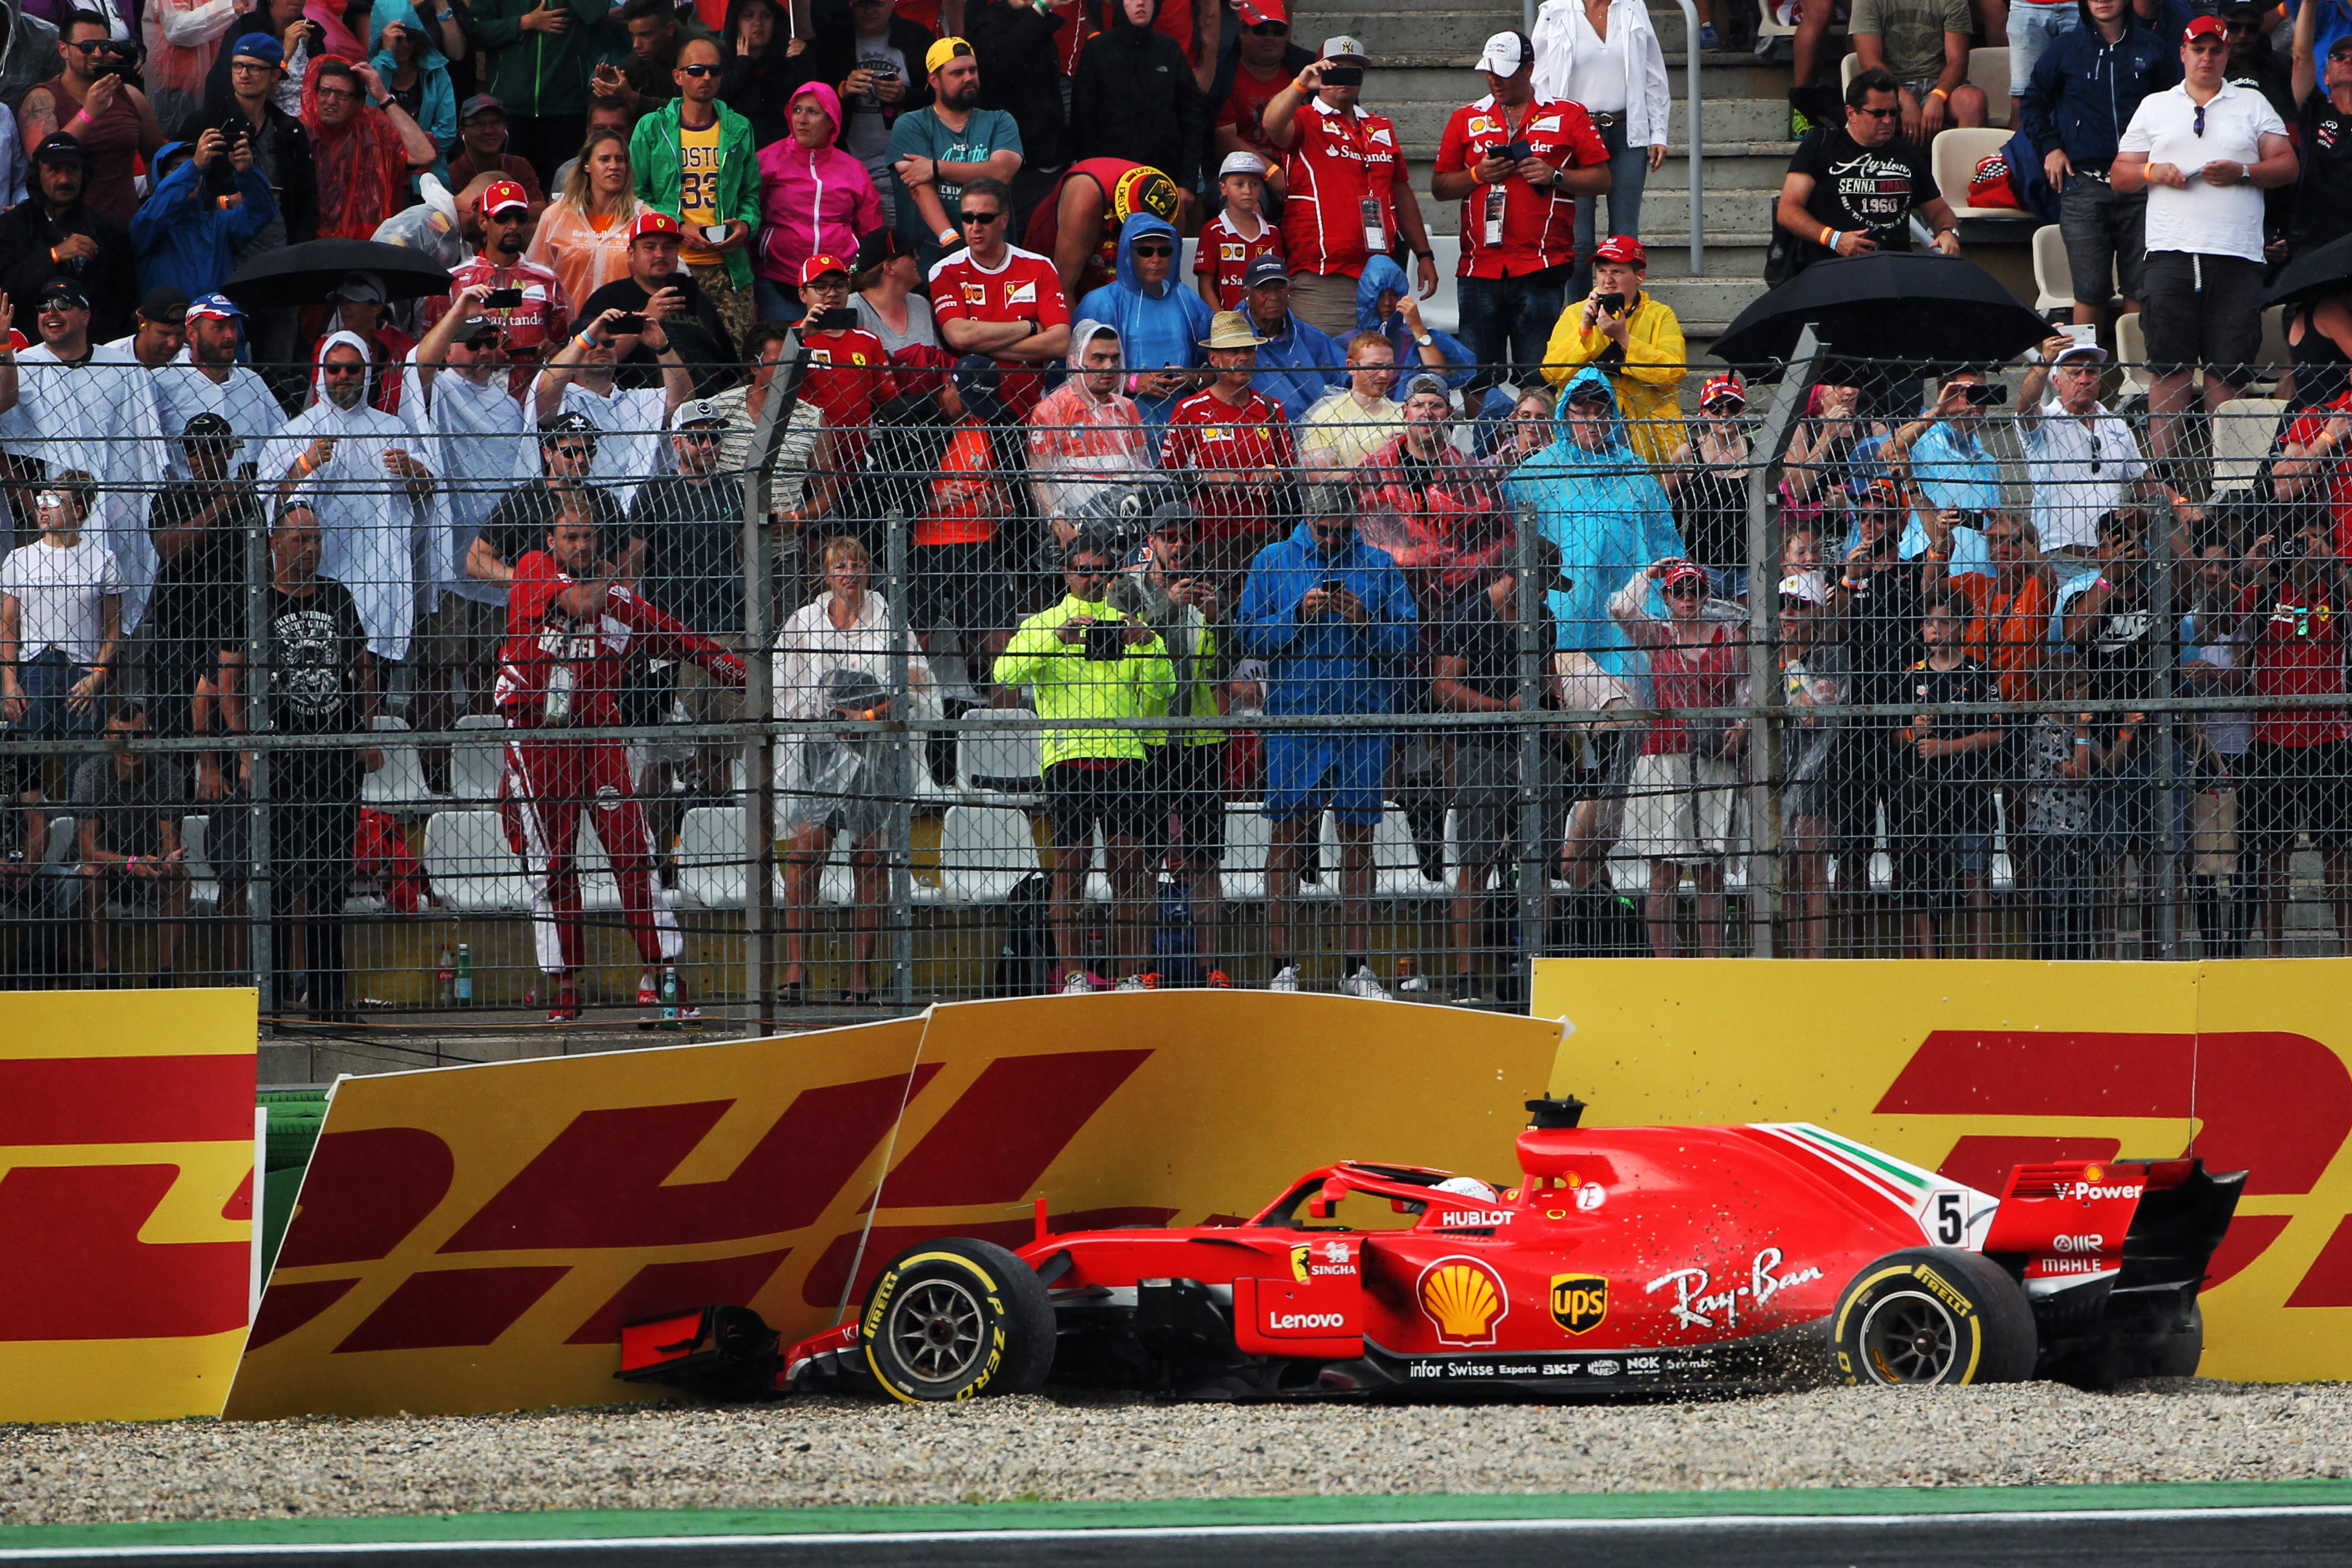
<point>1188,1532</point>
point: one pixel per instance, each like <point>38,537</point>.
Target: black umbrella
<point>2328,270</point>
<point>1917,310</point>
<point>304,274</point>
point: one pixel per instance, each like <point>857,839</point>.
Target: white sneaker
<point>1287,980</point>
<point>1077,984</point>
<point>1132,982</point>
<point>1366,985</point>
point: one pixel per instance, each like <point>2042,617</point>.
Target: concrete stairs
<point>1424,58</point>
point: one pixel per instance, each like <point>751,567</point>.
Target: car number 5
<point>1951,1223</point>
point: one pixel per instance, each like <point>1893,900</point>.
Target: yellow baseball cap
<point>942,52</point>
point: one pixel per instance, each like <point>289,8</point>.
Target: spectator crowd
<point>1175,510</point>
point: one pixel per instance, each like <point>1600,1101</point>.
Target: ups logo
<point>1579,1301</point>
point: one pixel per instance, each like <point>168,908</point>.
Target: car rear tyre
<point>956,1319</point>
<point>2177,1355</point>
<point>1933,1315</point>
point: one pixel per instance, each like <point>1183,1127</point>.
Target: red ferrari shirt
<point>1226,253</point>
<point>1023,287</point>
<point>1342,204</point>
<point>1243,111</point>
<point>1223,447</point>
<point>533,329</point>
<point>2297,652</point>
<point>581,660</point>
<point>1512,229</point>
<point>848,373</point>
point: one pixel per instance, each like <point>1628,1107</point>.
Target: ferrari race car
<point>1622,1259</point>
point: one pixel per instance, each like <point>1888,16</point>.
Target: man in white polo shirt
<point>2082,460</point>
<point>2204,150</point>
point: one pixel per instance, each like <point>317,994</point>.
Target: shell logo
<point>1465,1298</point>
<point>2092,1173</point>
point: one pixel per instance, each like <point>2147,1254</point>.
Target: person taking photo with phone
<point>524,301</point>
<point>1631,337</point>
<point>89,101</point>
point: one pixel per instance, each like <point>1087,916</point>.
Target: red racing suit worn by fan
<point>558,681</point>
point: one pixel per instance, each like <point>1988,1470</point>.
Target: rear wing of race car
<point>2137,1226</point>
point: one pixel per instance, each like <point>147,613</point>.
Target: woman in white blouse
<point>1603,54</point>
<point>833,661</point>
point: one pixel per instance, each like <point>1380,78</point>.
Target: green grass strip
<point>620,1523</point>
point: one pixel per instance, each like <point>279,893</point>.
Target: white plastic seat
<point>2054,274</point>
<point>2242,430</point>
<point>2131,353</point>
<point>1002,761</point>
<point>1248,837</point>
<point>1954,158</point>
<point>476,766</point>
<point>1989,71</point>
<point>1396,864</point>
<point>204,884</point>
<point>983,851</point>
<point>398,786</point>
<point>59,847</point>
<point>474,870</point>
<point>712,858</point>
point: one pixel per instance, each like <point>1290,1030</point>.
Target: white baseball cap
<point>698,411</point>
<point>1505,52</point>
<point>1242,163</point>
<point>1344,47</point>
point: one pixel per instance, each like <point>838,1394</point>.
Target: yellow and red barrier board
<point>126,1202</point>
<point>1970,1068</point>
<point>473,1239</point>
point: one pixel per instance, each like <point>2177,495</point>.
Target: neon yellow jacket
<point>1070,686</point>
<point>1648,382</point>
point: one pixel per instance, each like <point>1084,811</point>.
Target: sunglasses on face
<point>965,216</point>
<point>1879,113</point>
<point>574,453</point>
<point>346,370</point>
<point>58,307</point>
<point>697,72</point>
<point>1141,251</point>
<point>1684,591</point>
<point>92,45</point>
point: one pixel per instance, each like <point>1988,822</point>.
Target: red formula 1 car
<point>1623,1259</point>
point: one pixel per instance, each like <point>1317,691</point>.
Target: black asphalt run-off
<point>2275,1540</point>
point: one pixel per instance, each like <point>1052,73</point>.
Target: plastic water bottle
<point>444,978</point>
<point>669,999</point>
<point>465,975</point>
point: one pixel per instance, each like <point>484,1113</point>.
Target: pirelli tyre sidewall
<point>955,1319</point>
<point>1933,1315</point>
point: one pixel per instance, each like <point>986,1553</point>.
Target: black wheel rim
<point>1909,1337</point>
<point>935,1330</point>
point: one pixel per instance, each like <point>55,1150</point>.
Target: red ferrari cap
<point>2206,27</point>
<point>1253,13</point>
<point>651,222</point>
<point>817,265</point>
<point>502,195</point>
<point>1719,387</point>
<point>1621,247</point>
<point>1683,572</point>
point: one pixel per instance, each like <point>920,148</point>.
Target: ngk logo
<point>2079,1243</point>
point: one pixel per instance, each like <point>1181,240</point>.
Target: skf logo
<point>1298,1260</point>
<point>1464,1299</point>
<point>1579,1301</point>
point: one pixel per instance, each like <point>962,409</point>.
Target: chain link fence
<point>659,707</point>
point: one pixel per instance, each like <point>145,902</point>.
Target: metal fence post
<point>2168,759</point>
<point>1765,692</point>
<point>759,694</point>
<point>1535,870</point>
<point>255,691</point>
<point>902,777</point>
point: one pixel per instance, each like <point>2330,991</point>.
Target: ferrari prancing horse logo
<point>1579,1301</point>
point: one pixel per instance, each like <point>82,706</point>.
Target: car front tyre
<point>1933,1315</point>
<point>955,1319</point>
